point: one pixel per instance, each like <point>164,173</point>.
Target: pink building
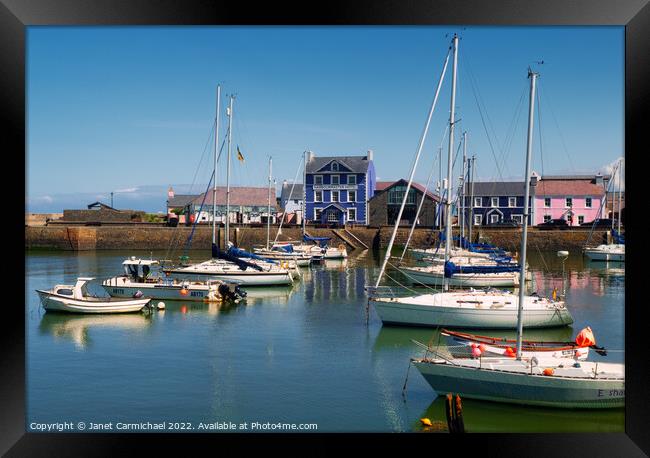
<point>576,198</point>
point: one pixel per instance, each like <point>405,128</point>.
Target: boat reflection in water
<point>489,417</point>
<point>268,295</point>
<point>79,328</point>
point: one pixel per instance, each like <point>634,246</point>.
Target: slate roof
<point>500,188</point>
<point>181,200</point>
<point>357,164</point>
<point>239,195</point>
<point>297,194</point>
<point>381,186</point>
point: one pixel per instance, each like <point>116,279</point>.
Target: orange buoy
<point>481,347</point>
<point>476,352</point>
<point>426,422</point>
<point>549,371</point>
<point>183,292</point>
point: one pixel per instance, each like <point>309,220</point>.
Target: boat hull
<point>507,279</point>
<point>52,303</point>
<point>165,292</point>
<point>598,255</point>
<point>244,278</point>
<point>519,388</point>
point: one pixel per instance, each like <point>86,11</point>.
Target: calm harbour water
<point>300,354</point>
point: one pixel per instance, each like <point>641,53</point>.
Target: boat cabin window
<point>65,291</point>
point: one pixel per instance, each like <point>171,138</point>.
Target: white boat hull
<point>476,311</point>
<point>63,304</point>
<point>161,291</point>
<point>244,278</point>
<point>606,253</point>
<point>428,276</point>
<point>521,387</point>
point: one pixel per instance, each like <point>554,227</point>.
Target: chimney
<point>534,178</point>
<point>599,180</point>
<point>170,192</point>
<point>369,156</point>
<point>310,156</point>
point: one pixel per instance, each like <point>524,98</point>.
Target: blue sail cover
<point>283,248</point>
<point>322,241</point>
<point>239,253</point>
<point>451,269</point>
<point>618,238</point>
<point>217,253</point>
<point>473,247</point>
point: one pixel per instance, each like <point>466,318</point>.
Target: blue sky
<point>130,109</point>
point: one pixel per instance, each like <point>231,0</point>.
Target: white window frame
<point>478,220</point>
<point>492,216</point>
<point>518,218</point>
<point>334,219</point>
<point>317,179</point>
<point>479,200</point>
<point>549,202</point>
<point>335,166</point>
<point>316,215</point>
<point>352,193</point>
<point>338,196</point>
<point>338,179</point>
<point>316,193</point>
<point>355,214</point>
<point>352,179</point>
<point>510,199</point>
<point>566,200</point>
<point>591,202</point>
<point>492,203</point>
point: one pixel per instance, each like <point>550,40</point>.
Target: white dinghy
<point>76,299</point>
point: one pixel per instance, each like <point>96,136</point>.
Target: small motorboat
<point>76,299</point>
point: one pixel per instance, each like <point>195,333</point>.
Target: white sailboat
<point>472,309</point>
<point>221,266</point>
<point>560,383</point>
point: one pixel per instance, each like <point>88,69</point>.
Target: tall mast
<point>216,153</point>
<point>463,181</point>
<point>304,193</point>
<point>620,179</point>
<point>470,176</point>
<point>232,97</point>
<point>439,188</point>
<point>449,158</point>
<point>268,214</point>
<point>524,235</point>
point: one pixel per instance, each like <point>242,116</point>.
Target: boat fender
<point>481,347</point>
<point>161,305</point>
<point>476,352</point>
<point>137,294</point>
<point>183,292</point>
<point>426,422</point>
<point>549,371</point>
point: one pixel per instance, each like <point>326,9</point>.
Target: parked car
<point>505,223</point>
<point>558,223</point>
<point>603,223</point>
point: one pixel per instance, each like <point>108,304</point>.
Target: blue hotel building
<point>338,188</point>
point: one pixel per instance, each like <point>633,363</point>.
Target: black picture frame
<point>16,15</point>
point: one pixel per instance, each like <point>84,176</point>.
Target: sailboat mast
<point>216,153</point>
<point>304,192</point>
<point>463,182</point>
<point>470,176</point>
<point>268,214</point>
<point>232,97</point>
<point>524,235</point>
<point>620,179</point>
<point>449,158</point>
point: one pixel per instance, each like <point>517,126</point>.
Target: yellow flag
<point>240,156</point>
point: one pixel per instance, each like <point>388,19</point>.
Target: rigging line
<point>295,179</point>
<point>539,130</point>
<point>566,151</point>
<point>516,119</point>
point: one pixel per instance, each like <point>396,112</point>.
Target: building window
<point>335,179</point>
<point>581,219</point>
<point>547,218</point>
<point>343,196</point>
<point>317,213</point>
<point>318,196</point>
<point>547,202</point>
<point>494,201</point>
<point>332,216</point>
<point>295,201</point>
<point>588,202</point>
<point>512,201</point>
<point>352,179</point>
<point>477,203</point>
<point>318,179</point>
<point>569,202</point>
<point>352,196</point>
<point>335,166</point>
<point>518,218</point>
<point>478,219</point>
<point>494,219</point>
<point>335,196</point>
<point>396,195</point>
<point>352,214</point>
